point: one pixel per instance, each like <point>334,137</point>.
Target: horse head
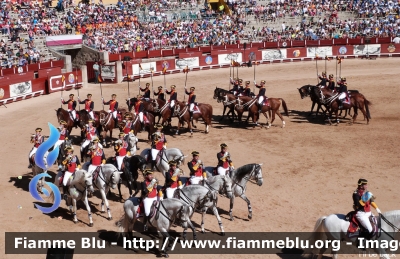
<point>216,93</point>
<point>304,91</point>
<point>258,174</point>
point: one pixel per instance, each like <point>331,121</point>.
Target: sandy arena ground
<point>310,169</point>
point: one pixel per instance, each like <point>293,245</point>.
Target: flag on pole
<point>140,67</point>
<point>327,58</point>
<point>62,78</point>
<point>186,70</point>
<point>152,70</point>
<point>339,59</point>
<point>164,70</point>
<point>100,79</point>
<point>232,63</point>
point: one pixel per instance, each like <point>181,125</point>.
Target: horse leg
<point>312,108</point>
<point>231,207</point>
<point>223,113</point>
<point>281,117</point>
<point>337,117</point>
<point>243,196</point>
<point>266,116</point>
<point>215,211</point>
<point>164,248</point>
<point>86,202</point>
<point>74,211</point>
<point>119,191</point>
<point>104,200</point>
<point>104,135</point>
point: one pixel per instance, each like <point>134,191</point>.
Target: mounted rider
<point>146,90</point>
<point>128,128</point>
<point>113,107</point>
<point>121,150</point>
<point>89,105</point>
<point>71,106</point>
<point>225,163</point>
<point>91,134</point>
<point>191,101</point>
<point>139,109</point>
<point>246,91</point>
<point>149,194</point>
<point>158,143</point>
<point>261,95</point>
<point>323,81</point>
<point>71,164</point>
<point>63,134</point>
<point>97,156</point>
<point>197,172</point>
<point>172,179</point>
<point>331,83</point>
<point>160,94</point>
<point>37,140</point>
<point>236,89</point>
<point>363,200</point>
<point>342,91</point>
<point>172,99</point>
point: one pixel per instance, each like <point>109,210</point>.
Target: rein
<point>390,224</point>
<point>247,178</point>
<point>198,203</point>
<point>209,186</point>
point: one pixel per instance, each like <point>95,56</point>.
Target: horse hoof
<point>203,231</point>
<point>90,224</point>
<point>250,216</point>
<point>110,218</point>
<point>231,219</point>
<point>222,233</point>
<point>166,255</point>
<point>102,212</point>
<point>75,222</point>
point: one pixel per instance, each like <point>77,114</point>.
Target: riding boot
<point>259,108</point>
<point>115,122</point>
<point>142,124</point>
<point>191,116</point>
<point>144,223</point>
<point>153,165</point>
<point>65,190</point>
<point>30,163</point>
<point>340,104</point>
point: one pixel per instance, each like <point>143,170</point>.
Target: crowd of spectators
<point>152,24</point>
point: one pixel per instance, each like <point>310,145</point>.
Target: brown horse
<point>64,115</point>
<point>84,120</point>
<point>248,103</point>
<point>148,125</point>
<point>357,101</point>
<point>205,112</point>
<point>108,124</point>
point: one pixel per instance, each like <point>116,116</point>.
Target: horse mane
<point>213,179</point>
<point>242,171</point>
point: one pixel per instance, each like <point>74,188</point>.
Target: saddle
<point>96,173</point>
<point>196,109</point>
<point>266,102</point>
<point>356,229</point>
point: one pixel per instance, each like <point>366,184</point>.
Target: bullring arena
<point>310,169</point>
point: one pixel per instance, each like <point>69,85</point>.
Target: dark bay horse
<point>130,172</point>
<point>64,115</point>
<point>149,125</point>
<point>248,103</point>
<point>205,113</point>
<point>229,102</point>
<point>305,91</point>
<point>108,124</point>
<point>357,101</point>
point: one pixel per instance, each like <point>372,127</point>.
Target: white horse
<point>163,215</point>
<point>106,177</point>
<point>80,184</point>
<point>38,170</point>
<point>163,157</point>
<point>240,176</point>
<point>201,198</point>
<point>219,183</point>
<point>334,227</point>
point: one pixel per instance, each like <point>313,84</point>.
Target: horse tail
<point>366,103</point>
<point>123,225</point>
<point>285,107</point>
<point>317,234</point>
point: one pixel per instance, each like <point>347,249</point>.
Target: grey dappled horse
<point>79,185</point>
<point>240,176</point>
<point>107,177</point>
<point>167,155</point>
<point>200,198</point>
<point>334,227</point>
<point>163,214</point>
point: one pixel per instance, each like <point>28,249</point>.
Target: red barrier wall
<point>390,48</point>
<point>37,85</point>
<point>49,72</point>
